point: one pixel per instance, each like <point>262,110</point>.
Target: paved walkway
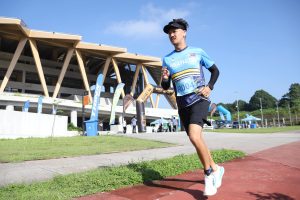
<point>269,174</point>
<point>30,171</point>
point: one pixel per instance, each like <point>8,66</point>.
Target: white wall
<point>15,124</point>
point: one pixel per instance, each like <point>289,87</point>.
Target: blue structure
<point>224,112</point>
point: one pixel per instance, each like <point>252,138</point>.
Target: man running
<point>184,67</point>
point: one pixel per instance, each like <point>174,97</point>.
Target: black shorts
<point>194,114</point>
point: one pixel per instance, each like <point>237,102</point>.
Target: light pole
<point>238,111</point>
<point>85,101</point>
<point>261,112</point>
<point>291,123</point>
<point>277,114</point>
<point>237,106</point>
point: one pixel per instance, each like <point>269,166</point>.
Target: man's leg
<point>196,137</point>
<point>213,176</point>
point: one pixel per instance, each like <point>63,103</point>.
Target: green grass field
<point>257,130</point>
<point>106,179</point>
<point>46,148</point>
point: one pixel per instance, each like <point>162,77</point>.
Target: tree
<point>232,107</point>
<point>267,100</point>
<point>284,101</point>
<point>243,106</point>
<point>294,94</point>
<point>292,98</point>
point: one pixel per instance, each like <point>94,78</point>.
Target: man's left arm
<point>213,76</point>
<point>205,91</point>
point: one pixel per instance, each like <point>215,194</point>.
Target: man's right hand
<point>165,73</point>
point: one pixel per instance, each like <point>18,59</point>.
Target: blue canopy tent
<point>159,121</point>
<point>156,124</point>
<point>250,119</point>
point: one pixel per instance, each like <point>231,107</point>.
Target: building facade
<point>62,68</point>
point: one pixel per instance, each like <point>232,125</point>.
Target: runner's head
<point>176,29</point>
<point>176,24</point>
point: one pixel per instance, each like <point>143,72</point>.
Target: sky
<point>254,43</point>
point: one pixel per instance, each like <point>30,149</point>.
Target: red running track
<point>270,174</point>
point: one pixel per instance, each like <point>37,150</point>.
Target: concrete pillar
<point>120,119</point>
<point>74,117</point>
<point>23,80</point>
<point>10,107</point>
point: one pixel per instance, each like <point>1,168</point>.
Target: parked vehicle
<point>220,123</point>
<point>223,124</point>
<point>213,125</point>
<point>236,124</point>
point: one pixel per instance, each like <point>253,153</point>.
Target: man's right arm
<point>165,83</point>
<point>166,79</point>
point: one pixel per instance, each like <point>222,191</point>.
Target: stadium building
<point>62,69</point>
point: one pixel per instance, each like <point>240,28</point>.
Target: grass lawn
<point>257,130</point>
<point>106,179</point>
<point>46,148</point>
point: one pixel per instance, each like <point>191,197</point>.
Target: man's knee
<point>193,138</point>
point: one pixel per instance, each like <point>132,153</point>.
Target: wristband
<point>211,87</point>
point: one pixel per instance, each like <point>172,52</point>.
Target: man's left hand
<point>204,91</point>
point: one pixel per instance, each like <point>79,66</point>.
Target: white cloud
<point>135,28</point>
<point>150,23</point>
<point>162,15</point>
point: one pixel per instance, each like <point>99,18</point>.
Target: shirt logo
<point>190,61</point>
<point>192,55</point>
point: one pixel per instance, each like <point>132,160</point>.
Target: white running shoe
<point>219,175</point>
<point>210,185</point>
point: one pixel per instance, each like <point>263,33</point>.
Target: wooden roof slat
<point>101,48</point>
<point>137,58</point>
<point>4,20</point>
<point>53,35</point>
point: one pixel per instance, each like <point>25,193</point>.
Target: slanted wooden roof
<point>136,58</point>
<point>100,49</point>
<point>16,29</point>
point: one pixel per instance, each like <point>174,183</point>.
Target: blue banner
<point>92,124</point>
<point>54,108</point>
<point>95,105</point>
<point>93,87</point>
<point>26,106</point>
<point>40,105</point>
<point>117,94</point>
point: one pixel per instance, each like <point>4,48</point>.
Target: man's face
<point>177,36</point>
